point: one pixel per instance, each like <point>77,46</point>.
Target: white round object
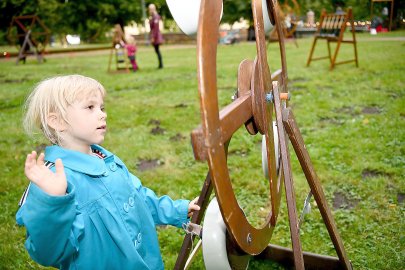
<point>214,239</point>
<point>186,13</point>
<point>266,19</point>
<point>276,150</point>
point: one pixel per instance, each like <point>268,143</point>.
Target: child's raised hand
<point>52,183</point>
<point>193,206</point>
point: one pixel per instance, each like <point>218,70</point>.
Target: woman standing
<point>155,36</point>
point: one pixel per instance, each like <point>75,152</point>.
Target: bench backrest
<point>331,25</point>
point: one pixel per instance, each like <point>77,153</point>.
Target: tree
<point>89,19</point>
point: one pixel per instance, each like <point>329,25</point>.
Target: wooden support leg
<point>197,217</point>
<point>332,64</point>
<point>314,183</point>
<point>355,53</point>
<point>110,59</point>
<point>329,52</point>
<point>312,52</point>
<point>288,183</point>
<point>21,53</point>
<point>284,256</point>
<point>355,46</point>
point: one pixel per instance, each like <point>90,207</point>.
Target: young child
<point>83,208</point>
<point>131,50</point>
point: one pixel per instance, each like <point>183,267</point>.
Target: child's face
<point>87,123</point>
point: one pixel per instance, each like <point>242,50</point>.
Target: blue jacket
<point>106,220</point>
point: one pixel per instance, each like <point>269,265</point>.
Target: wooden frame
<point>261,96</point>
<point>332,28</point>
<point>118,52</point>
<point>28,37</point>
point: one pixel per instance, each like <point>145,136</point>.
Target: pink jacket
<point>131,49</point>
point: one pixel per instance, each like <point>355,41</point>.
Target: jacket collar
<point>80,162</point>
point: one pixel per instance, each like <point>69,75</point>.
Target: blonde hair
<point>131,40</point>
<point>54,95</point>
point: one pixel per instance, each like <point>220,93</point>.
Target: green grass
<point>352,120</point>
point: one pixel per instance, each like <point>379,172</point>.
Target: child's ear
<point>56,122</point>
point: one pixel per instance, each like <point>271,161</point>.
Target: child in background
<point>131,50</point>
<point>83,208</point>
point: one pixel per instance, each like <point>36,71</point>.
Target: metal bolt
<point>269,97</point>
<point>235,96</point>
<point>249,238</point>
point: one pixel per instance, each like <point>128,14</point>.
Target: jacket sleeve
<point>164,210</point>
<point>53,225</point>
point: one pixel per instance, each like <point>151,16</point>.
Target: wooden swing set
<point>32,36</point>
<point>118,53</point>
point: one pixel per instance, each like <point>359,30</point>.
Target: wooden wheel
<point>253,108</point>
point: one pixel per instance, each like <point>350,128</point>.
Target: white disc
<point>214,239</point>
<point>276,150</point>
<point>266,19</point>
<point>186,13</point>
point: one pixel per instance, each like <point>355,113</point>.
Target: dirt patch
<point>371,110</point>
<point>340,200</point>
<point>346,110</point>
<point>372,173</point>
<point>154,122</point>
<point>331,120</point>
<point>14,80</point>
<point>178,137</point>
<point>181,105</point>
<point>400,197</point>
<point>157,130</point>
<point>148,164</point>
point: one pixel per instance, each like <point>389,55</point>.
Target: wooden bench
<point>332,28</point>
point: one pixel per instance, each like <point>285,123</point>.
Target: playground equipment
<point>289,21</point>
<point>332,28</point>
<point>261,97</point>
<point>31,34</point>
<point>118,52</point>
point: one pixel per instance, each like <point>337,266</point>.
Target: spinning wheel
<point>250,107</point>
<point>257,103</point>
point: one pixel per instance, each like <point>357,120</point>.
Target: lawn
<point>352,120</point>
